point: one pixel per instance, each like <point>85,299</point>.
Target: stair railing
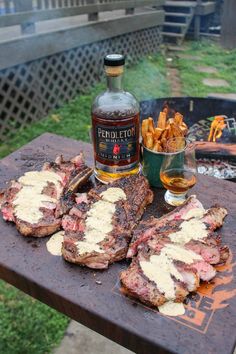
<point>197,20</point>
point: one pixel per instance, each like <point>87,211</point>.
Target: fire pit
<point>218,158</point>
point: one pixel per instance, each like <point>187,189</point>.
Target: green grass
<point>210,54</point>
<point>26,325</point>
<point>145,80</point>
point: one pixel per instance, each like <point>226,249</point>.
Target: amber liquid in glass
<point>178,181</point>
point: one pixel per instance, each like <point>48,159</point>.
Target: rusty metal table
<point>209,323</point>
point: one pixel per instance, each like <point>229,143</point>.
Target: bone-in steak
<point>98,228</point>
<point>174,253</point>
<point>38,199</point>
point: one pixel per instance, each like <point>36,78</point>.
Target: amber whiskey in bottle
<point>115,126</point>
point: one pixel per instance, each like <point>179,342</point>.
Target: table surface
<point>93,297</point>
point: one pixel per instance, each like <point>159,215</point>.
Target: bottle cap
<point>114,60</point>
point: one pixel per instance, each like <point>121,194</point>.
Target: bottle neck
<point>114,83</point>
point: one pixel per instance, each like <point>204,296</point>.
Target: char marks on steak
<point>68,175</point>
<point>174,241</point>
<point>113,245</point>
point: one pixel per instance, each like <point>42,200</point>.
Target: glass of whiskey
<point>178,170</point>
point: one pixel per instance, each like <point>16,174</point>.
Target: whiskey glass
<point>178,170</point>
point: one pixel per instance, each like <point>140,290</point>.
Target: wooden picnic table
<point>94,298</point>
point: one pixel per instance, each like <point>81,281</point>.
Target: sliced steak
<point>173,256</point>
<point>168,221</point>
<point>168,224</point>
<point>98,228</point>
<point>38,199</point>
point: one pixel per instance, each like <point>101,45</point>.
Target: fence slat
<point>94,15</point>
<point>27,27</point>
<point>7,6</point>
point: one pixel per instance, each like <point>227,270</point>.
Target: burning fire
<point>217,126</point>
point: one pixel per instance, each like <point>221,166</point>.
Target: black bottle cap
<point>114,60</point>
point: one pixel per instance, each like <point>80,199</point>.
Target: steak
<point>168,221</point>
<point>98,228</point>
<point>174,253</point>
<point>38,199</point>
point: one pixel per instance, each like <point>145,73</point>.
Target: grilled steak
<point>174,253</point>
<point>168,221</point>
<point>38,199</point>
<point>98,228</point>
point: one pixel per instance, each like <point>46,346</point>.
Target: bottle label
<point>116,143</point>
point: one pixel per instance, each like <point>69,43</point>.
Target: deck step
<point>172,34</point>
<point>180,3</point>
<point>175,24</point>
<point>177,14</point>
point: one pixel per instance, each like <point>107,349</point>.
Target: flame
<point>224,277</point>
<point>217,126</point>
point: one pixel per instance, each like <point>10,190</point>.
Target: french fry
<point>183,127</point>
<point>151,127</point>
<point>178,118</point>
<point>165,134</point>
<point>163,143</point>
<point>145,140</point>
<point>144,128</point>
<point>176,130</point>
<point>169,133</point>
<point>157,134</point>
<point>157,146</point>
<point>149,140</point>
<point>161,123</point>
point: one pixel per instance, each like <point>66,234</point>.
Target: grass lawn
<point>26,325</point>
<point>210,54</point>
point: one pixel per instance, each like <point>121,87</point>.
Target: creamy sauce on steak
<point>98,223</point>
<point>30,199</point>
<point>179,253</point>
<point>161,268</point>
<point>193,229</point>
<point>54,244</point>
<point>194,213</point>
<point>171,308</point>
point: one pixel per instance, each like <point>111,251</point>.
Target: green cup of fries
<point>152,161</point>
<point>154,142</point>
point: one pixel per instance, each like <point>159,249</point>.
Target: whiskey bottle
<point>115,126</point>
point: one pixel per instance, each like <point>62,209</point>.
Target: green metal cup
<point>152,162</point>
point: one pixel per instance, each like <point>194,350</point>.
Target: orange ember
<point>217,126</point>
